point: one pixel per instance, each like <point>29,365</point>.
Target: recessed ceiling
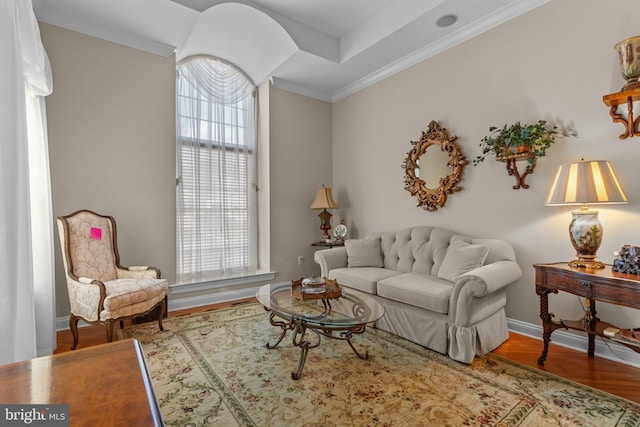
<point>326,49</point>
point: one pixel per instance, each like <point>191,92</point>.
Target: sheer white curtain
<point>27,292</point>
<point>216,161</point>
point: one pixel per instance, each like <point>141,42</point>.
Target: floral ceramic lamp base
<point>586,236</point>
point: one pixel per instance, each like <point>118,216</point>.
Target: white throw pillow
<point>363,253</point>
<point>460,258</point>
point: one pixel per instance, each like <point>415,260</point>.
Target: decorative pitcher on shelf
<point>629,53</point>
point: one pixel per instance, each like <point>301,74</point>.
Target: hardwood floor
<point>613,377</point>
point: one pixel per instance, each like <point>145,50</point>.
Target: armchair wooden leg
<point>73,325</point>
<point>161,312</point>
<point>110,324</point>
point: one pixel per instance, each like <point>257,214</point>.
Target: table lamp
<point>324,200</point>
<point>578,184</point>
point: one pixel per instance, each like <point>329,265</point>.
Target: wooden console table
<point>105,385</point>
<point>594,285</point>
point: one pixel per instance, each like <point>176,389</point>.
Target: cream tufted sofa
<point>439,289</point>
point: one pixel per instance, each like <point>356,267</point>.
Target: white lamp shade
<point>586,182</point>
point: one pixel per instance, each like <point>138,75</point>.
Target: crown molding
<point>45,15</point>
<point>500,16</point>
<point>300,90</point>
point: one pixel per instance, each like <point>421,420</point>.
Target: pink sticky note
<point>96,233</point>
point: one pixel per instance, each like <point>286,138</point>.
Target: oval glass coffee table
<point>338,318</point>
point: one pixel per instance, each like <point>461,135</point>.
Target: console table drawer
<point>601,285</point>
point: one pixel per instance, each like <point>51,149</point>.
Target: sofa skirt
<point>434,331</point>
<point>465,343</point>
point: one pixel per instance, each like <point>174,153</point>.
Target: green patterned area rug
<point>212,368</point>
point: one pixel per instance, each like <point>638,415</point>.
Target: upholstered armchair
<point>100,289</point>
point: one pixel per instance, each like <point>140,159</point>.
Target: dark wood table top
<point>105,385</point>
<point>601,284</point>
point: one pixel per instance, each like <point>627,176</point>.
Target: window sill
<point>181,288</point>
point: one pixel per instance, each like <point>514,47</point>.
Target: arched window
<point>216,165</point>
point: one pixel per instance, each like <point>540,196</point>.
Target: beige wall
<point>552,63</point>
<point>111,144</point>
<point>300,163</point>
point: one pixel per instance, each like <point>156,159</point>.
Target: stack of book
<point>631,336</point>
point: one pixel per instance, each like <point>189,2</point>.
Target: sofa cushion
<point>419,290</point>
<point>460,258</point>
<point>363,279</point>
<point>499,250</point>
<point>363,253</point>
<point>128,291</point>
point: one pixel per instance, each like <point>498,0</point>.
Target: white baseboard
<point>214,298</point>
<point>604,348</point>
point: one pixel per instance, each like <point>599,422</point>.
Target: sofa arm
<point>493,276</point>
<point>328,259</point>
<point>480,283</point>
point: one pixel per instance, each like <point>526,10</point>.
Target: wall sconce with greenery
<point>516,142</point>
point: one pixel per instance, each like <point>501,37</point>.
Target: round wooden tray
<point>331,290</point>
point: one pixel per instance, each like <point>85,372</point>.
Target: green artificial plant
<point>534,139</point>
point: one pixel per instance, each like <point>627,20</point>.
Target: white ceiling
<point>327,49</point>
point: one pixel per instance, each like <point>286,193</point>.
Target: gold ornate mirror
<point>433,167</point>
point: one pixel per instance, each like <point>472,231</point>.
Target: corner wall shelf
<point>626,96</point>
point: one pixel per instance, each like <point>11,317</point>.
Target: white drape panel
<point>215,80</point>
<point>215,162</point>
<point>27,292</point>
